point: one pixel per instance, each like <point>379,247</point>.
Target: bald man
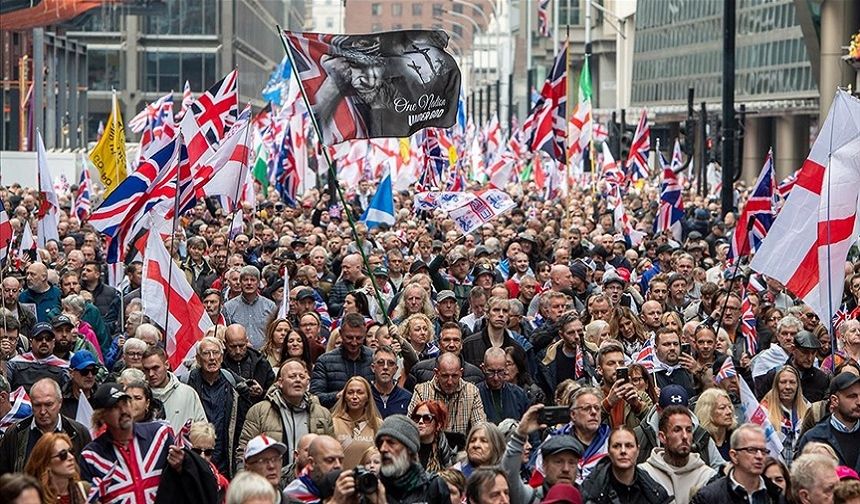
<point>350,272</point>
<point>39,292</point>
<point>247,362</point>
<point>25,316</point>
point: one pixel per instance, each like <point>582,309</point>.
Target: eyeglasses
<point>588,408</point>
<point>495,372</point>
<point>386,363</point>
<point>63,455</point>
<point>426,418</point>
<point>90,371</point>
<point>207,452</point>
<point>753,450</point>
<point>268,460</point>
<point>810,315</point>
<point>134,355</point>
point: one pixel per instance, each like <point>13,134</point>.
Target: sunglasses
<point>422,418</point>
<point>207,452</point>
<point>43,337</point>
<point>63,455</point>
<point>88,371</point>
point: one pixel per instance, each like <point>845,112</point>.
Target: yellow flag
<point>108,156</point>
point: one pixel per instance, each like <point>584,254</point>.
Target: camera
<point>366,481</point>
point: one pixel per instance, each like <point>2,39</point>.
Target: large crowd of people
<point>541,359</point>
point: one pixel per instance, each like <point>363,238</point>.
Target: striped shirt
<point>465,407</point>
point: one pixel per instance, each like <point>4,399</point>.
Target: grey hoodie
<point>652,421</point>
<point>181,402</point>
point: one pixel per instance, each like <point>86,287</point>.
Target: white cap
<point>262,443</point>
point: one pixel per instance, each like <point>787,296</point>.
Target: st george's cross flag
<point>388,84</point>
<point>173,304</point>
<point>49,205</point>
<point>808,243</point>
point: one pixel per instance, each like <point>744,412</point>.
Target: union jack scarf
<point>21,408</point>
<point>51,360</point>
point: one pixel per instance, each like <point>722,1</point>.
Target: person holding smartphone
<point>623,404</point>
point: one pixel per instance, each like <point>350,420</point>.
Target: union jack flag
<point>671,210</point>
<point>187,100</point>
<point>82,200</point>
<point>758,214</point>
<point>216,110</point>
<point>549,114</point>
<point>436,160</point>
<point>543,19</point>
<point>154,112</point>
<point>131,477</point>
<point>787,184</point>
<point>645,357</point>
<point>748,325</point>
<point>727,370</point>
<point>840,316</point>
<point>286,173</point>
<point>637,159</point>
<point>21,408</point>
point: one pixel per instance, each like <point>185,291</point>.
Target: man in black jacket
<point>668,367</point>
<point>450,340</point>
<point>247,362</point>
<point>494,334</point>
<point>105,297</point>
<point>19,439</point>
<point>744,482</point>
<point>334,368</point>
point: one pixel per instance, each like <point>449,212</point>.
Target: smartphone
<point>553,415</point>
<point>686,348</point>
<point>621,374</point>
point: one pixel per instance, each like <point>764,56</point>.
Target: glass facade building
<point>679,45</point>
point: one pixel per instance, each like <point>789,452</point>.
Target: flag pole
<point>829,273</point>
<point>333,175</point>
<point>568,111</point>
<point>172,243</point>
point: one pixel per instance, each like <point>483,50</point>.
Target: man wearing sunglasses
<point>83,368</point>
<point>40,362</point>
<point>18,441</point>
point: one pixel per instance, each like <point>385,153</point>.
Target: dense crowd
<point>542,359</point>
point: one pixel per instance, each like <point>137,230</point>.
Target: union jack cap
<point>262,443</point>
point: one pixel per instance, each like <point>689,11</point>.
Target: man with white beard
<point>402,475</point>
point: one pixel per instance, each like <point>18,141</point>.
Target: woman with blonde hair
<point>672,320</point>
<point>371,460</point>
<point>53,463</point>
<point>595,333</point>
<point>716,414</point>
<point>418,331</point>
<point>786,407</point>
<point>356,420</point>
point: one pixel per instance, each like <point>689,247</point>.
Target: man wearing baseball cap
<point>561,455</point>
<point>40,362</point>
<point>840,429</point>
<point>122,445</point>
<point>68,341</point>
<point>265,456</point>
<point>83,368</point>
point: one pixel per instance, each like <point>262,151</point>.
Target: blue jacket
<point>47,303</point>
<point>823,432</point>
<point>514,402</point>
<point>397,402</point>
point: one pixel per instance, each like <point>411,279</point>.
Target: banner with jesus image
<point>389,84</point>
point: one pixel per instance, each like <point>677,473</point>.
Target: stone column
<point>792,144</point>
<point>758,139</point>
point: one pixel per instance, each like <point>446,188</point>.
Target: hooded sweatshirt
<point>652,422</point>
<point>682,482</point>
<point>180,401</point>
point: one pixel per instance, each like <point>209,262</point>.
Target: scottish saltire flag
<point>21,409</point>
<point>671,210</point>
<point>549,116</point>
<point>758,214</point>
<point>389,84</point>
<point>381,209</point>
<point>752,409</point>
<point>278,82</point>
<point>637,159</point>
<point>82,200</point>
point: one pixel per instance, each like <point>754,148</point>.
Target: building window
<point>397,9</point>
<point>186,17</point>
<point>104,69</point>
<point>376,9</point>
<point>437,10</point>
<point>458,8</point>
<point>457,29</point>
<point>397,26</point>
<point>417,9</point>
<point>165,72</point>
<point>329,22</point>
